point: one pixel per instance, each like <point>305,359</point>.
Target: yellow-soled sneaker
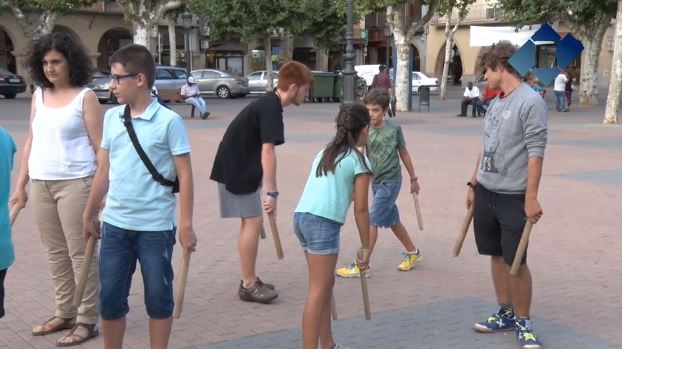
<point>410,259</point>
<point>351,271</point>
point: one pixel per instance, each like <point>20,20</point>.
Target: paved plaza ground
<point>575,253</point>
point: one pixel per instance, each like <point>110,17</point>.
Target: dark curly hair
<point>70,47</point>
<point>497,55</point>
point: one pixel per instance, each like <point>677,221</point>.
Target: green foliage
<point>55,5</point>
<point>583,14</point>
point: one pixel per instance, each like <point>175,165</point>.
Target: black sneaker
<point>205,115</point>
<point>258,292</point>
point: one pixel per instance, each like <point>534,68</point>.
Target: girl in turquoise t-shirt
<point>337,172</point>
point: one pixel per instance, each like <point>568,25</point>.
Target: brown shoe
<point>47,327</point>
<point>258,292</point>
<point>76,339</point>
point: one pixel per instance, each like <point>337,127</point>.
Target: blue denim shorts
<point>119,251</point>
<point>383,211</point>
<point>317,235</point>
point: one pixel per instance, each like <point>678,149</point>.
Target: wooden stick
<point>14,212</point>
<point>464,230</point>
<point>333,308</point>
<point>85,269</point>
<point>418,211</point>
<point>523,242</point>
<point>182,285</point>
<point>276,236</point>
<point>362,253</point>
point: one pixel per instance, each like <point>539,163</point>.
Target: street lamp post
<point>186,24</point>
<point>386,32</point>
<point>348,72</point>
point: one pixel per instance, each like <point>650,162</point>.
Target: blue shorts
<point>383,211</point>
<point>119,251</point>
<point>317,235</point>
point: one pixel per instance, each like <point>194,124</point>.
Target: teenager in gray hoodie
<point>504,188</point>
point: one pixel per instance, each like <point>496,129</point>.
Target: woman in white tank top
<point>59,160</point>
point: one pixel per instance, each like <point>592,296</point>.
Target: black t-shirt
<point>237,163</point>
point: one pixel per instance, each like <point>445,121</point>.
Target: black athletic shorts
<point>499,221</point>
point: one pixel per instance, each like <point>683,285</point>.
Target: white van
<point>367,71</point>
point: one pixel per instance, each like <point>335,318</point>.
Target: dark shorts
<point>119,251</point>
<point>499,221</point>
<point>317,235</point>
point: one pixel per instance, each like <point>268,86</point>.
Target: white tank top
<point>61,148</point>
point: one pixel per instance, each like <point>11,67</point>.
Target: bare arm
<point>101,182</point>
<point>361,184</point>
<point>93,117</point>
<point>406,160</point>
<point>531,206</point>
<point>187,236</point>
<point>20,196</point>
<point>269,162</point>
<point>473,180</point>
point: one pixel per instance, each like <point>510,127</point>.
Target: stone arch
<point>111,40</point>
<point>8,46</point>
<point>416,56</point>
<point>456,64</point>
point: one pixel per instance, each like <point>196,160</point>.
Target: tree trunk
<point>592,41</point>
<point>40,27</point>
<point>142,34</point>
<point>449,43</point>
<point>612,108</point>
<point>173,41</point>
<point>269,63</point>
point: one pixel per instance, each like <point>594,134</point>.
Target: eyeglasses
<point>117,78</point>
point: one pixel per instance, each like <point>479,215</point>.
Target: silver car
<point>169,82</point>
<point>100,85</point>
<point>220,83</point>
<point>258,81</point>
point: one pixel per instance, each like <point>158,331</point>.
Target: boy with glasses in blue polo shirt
<point>139,216</point>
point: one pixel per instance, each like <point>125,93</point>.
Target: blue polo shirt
<point>7,150</point>
<point>135,201</point>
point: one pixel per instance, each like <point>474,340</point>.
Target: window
<point>494,13</point>
<point>196,74</point>
<point>179,74</point>
<point>164,74</point>
<point>255,75</point>
<point>209,74</point>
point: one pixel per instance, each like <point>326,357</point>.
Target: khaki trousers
<point>58,206</point>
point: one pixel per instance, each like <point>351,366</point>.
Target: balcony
<point>477,14</point>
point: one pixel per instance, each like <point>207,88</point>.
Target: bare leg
<point>403,236</point>
<point>248,247</point>
<point>325,332</point>
<point>521,291</point>
<point>501,276</point>
<point>321,281</point>
<point>113,332</point>
<point>372,237</point>
<point>159,331</point>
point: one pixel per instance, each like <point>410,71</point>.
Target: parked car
<point>258,81</point>
<point>11,84</point>
<point>220,83</point>
<point>169,82</point>
<point>100,85</point>
<point>420,79</point>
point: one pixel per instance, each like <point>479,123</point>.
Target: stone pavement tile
<point>439,325</point>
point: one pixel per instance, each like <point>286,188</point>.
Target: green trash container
<point>338,93</point>
<point>324,86</point>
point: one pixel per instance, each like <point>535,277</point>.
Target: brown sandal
<point>79,339</point>
<point>45,329</point>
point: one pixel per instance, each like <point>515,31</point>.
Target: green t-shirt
<point>330,195</point>
<point>382,150</point>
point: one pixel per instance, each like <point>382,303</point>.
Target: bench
<point>177,98</point>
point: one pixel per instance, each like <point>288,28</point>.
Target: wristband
<point>414,178</point>
<point>273,194</point>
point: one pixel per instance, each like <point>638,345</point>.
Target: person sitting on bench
<point>190,92</point>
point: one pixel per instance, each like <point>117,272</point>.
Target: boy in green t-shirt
<point>384,150</point>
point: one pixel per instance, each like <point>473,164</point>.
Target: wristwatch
<point>274,194</point>
<point>471,185</point>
